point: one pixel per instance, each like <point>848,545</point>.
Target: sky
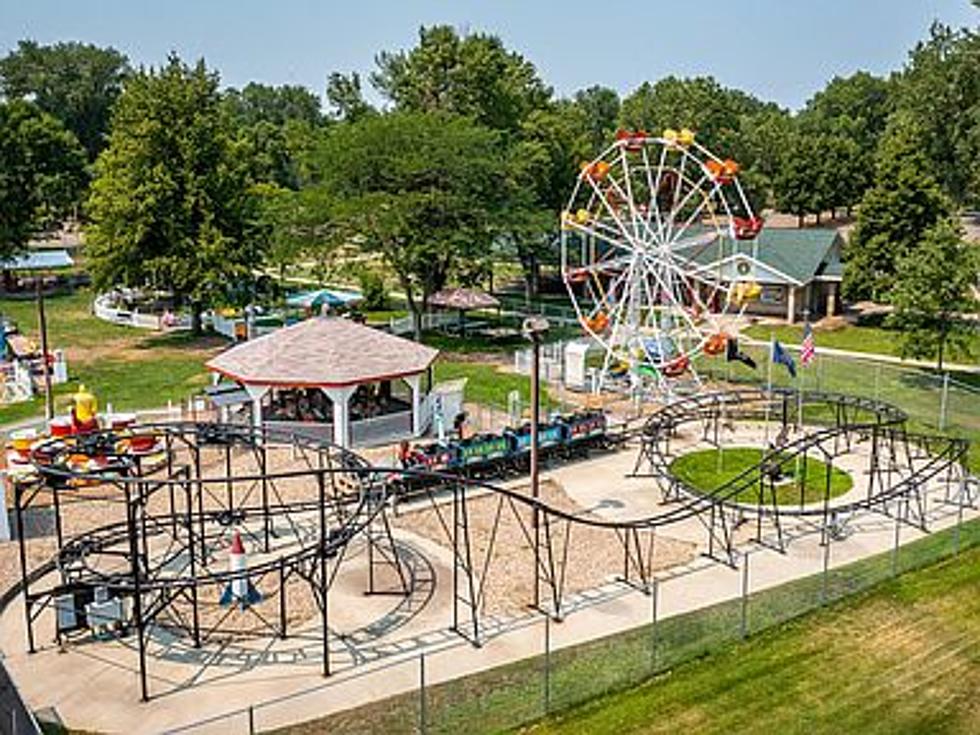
<point>779,50</point>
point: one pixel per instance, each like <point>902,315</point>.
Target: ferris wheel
<point>646,236</point>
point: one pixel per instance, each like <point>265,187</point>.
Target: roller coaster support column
<point>324,582</point>
<point>137,571</point>
<point>534,329</point>
<point>22,553</point>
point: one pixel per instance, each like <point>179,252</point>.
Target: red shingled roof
<point>323,351</point>
<point>463,298</point>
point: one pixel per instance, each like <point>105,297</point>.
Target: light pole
<point>42,324</point>
<point>534,328</point>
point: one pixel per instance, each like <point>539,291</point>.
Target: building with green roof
<point>799,269</point>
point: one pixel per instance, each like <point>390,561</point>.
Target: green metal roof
<point>800,254</point>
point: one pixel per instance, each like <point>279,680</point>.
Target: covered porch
<point>331,379</point>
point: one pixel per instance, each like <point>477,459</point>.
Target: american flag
<point>808,349</point>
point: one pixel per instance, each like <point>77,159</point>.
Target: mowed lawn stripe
<point>902,658</point>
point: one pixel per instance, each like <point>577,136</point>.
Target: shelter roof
<point>323,352</point>
<point>463,299</point>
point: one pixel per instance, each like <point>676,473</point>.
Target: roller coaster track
<point>901,465</point>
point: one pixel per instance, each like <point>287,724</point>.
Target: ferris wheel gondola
<point>646,227</point>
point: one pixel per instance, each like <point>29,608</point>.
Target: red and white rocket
<point>239,589</point>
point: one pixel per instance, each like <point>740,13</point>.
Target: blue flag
<point>780,355</point>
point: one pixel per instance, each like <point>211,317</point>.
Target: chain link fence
<point>686,617</point>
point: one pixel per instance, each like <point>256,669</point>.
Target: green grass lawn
<point>127,367</point>
<point>708,469</point>
<point>904,658</point>
<point>487,385</point>
<point>859,339</point>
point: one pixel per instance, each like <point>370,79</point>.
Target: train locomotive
<point>489,456</point>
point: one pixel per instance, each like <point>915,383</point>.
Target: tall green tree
<point>599,107</point>
<point>42,172</point>
<point>256,103</point>
<point>422,190</point>
<point>939,89</point>
<point>171,205</point>
<point>933,292</point>
<point>75,82</point>
<point>466,74</point>
<point>849,115</point>
<point>895,213</point>
<point>799,184</point>
<point>346,97</point>
<point>543,163</point>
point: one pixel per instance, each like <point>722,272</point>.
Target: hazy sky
<point>781,50</point>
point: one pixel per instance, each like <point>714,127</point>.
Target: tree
<point>257,103</point>
<point>940,90</point>
<point>905,201</point>
<point>470,74</point>
<point>345,96</point>
<point>600,109</point>
<point>798,187</point>
<point>171,205</point>
<point>714,112</point>
<point>542,165</point>
<point>933,290</point>
<point>422,190</point>
<point>42,171</point>
<point>849,115</point>
<point>75,82</point>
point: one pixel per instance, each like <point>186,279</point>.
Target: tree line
<point>189,187</point>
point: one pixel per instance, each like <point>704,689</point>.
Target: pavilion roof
<point>323,351</point>
<point>463,299</point>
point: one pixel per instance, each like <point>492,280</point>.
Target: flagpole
<point>799,385</point>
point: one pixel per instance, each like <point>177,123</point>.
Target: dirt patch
<point>501,534</point>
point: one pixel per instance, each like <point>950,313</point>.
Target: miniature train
<point>494,456</point>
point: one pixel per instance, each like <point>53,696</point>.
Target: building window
<point>773,295</point>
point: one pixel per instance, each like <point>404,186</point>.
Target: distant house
<point>799,269</point>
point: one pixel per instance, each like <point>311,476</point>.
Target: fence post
<point>959,522</point>
<point>824,592</point>
<point>654,591</point>
<point>547,663</point>
<point>422,712</point>
<point>251,720</point>
<point>944,402</point>
<point>898,529</point>
<point>744,629</point>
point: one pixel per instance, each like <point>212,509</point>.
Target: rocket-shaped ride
<point>239,589</point>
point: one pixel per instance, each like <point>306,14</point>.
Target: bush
<point>373,290</point>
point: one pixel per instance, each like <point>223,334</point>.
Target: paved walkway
<point>94,687</point>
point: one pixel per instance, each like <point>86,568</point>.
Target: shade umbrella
<point>463,300</point>
<point>315,299</point>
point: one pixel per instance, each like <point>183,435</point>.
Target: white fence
<point>552,361</point>
<point>434,320</point>
<point>106,311</point>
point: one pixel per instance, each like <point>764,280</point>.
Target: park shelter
<point>463,300</point>
<point>345,373</point>
<point>800,270</point>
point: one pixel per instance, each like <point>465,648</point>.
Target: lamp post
<point>42,324</point>
<point>534,328</point>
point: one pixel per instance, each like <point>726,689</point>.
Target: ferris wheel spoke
<point>652,210</point>
<point>631,237</point>
<point>706,198</point>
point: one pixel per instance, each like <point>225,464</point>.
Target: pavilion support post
<point>340,397</point>
<point>256,393</point>
<point>415,383</point>
<point>790,303</point>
